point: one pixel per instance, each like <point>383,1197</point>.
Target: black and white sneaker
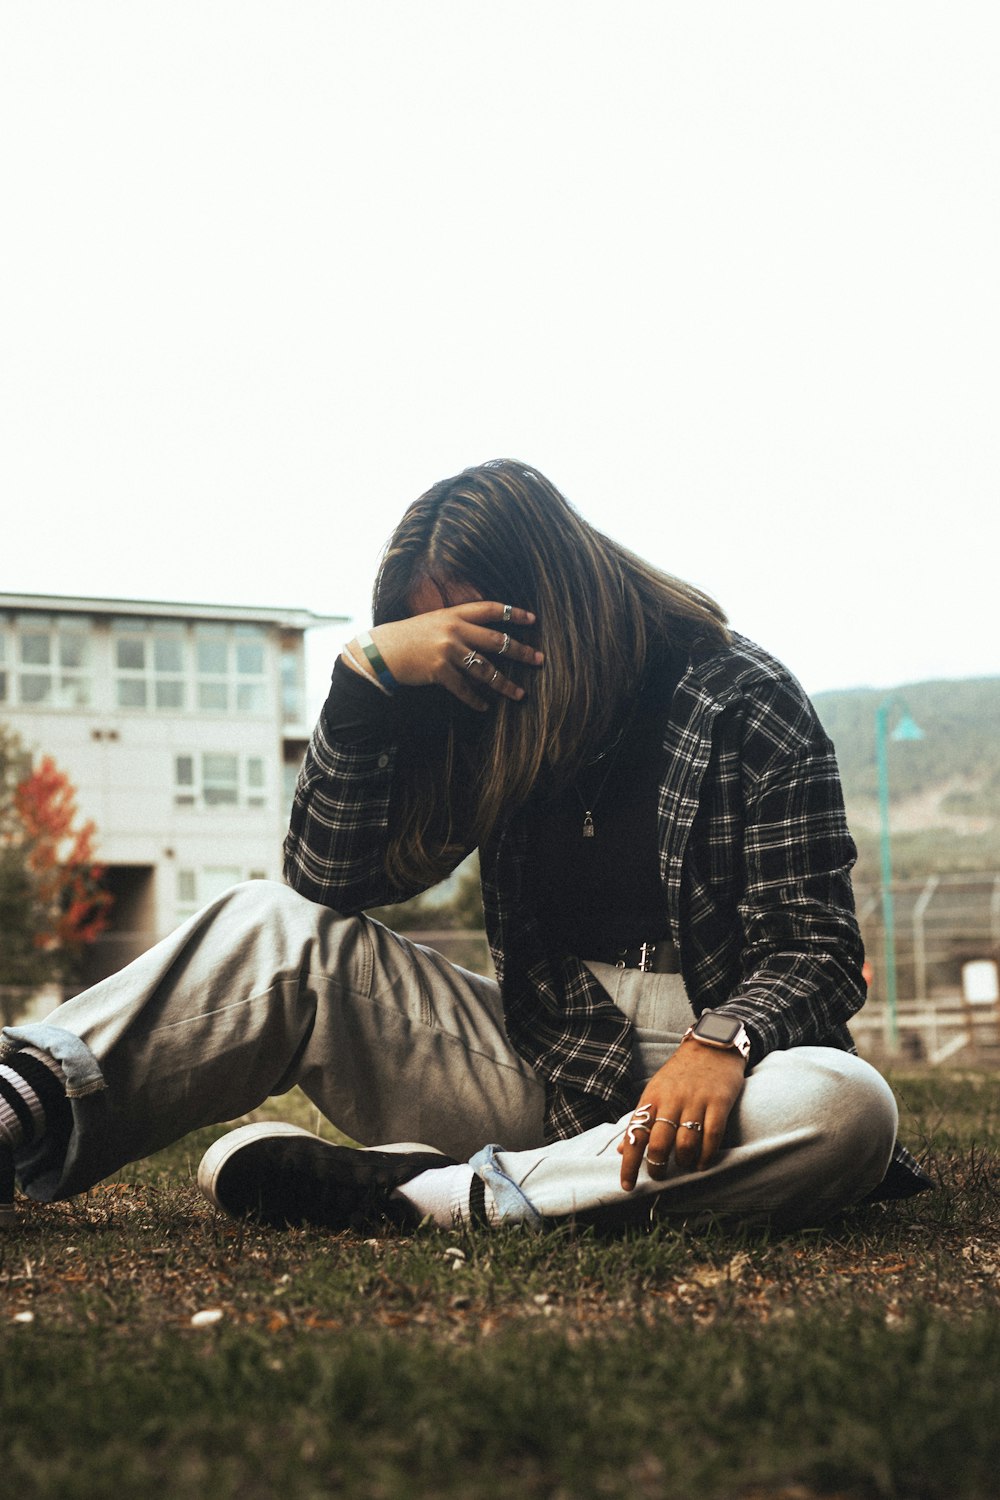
<point>279,1174</point>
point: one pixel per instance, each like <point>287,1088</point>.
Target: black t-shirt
<point>597,894</point>
<point>592,895</point>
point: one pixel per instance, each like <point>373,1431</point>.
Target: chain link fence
<point>947,945</point>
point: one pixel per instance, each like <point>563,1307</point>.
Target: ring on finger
<point>666,1120</point>
<point>655,1161</point>
<point>493,679</point>
<point>507,615</point>
<point>641,1120</point>
<point>506,644</point>
<point>692,1125</point>
<point>473,659</point>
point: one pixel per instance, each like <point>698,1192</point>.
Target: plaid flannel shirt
<point>755,861</point>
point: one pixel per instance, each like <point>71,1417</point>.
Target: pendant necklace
<point>611,754</point>
<point>588,812</point>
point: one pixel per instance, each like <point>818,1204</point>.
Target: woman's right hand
<point>436,647</point>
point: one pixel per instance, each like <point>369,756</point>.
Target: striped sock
<point>32,1101</point>
<point>450,1196</point>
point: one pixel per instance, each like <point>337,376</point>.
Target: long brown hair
<point>507,531</point>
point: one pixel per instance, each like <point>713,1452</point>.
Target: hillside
<point>944,789</point>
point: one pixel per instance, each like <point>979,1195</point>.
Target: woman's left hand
<point>683,1110</point>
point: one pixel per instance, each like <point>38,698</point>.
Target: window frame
<point>197,788</point>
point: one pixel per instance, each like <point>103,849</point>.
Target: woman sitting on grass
<point>665,866</point>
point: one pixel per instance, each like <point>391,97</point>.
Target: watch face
<point>720,1029</point>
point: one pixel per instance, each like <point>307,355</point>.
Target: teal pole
<point>888,912</point>
<point>905,730</point>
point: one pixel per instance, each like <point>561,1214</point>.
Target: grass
<point>859,1362</point>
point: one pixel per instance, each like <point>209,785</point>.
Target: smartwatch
<point>714,1029</point>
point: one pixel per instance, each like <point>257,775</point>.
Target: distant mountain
<point>944,789</point>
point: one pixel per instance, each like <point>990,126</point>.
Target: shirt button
<point>383,761</point>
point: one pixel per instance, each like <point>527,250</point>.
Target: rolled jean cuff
<point>512,1205</point>
<point>58,1164</point>
<point>80,1067</point>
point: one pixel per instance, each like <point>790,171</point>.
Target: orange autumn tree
<point>52,906</point>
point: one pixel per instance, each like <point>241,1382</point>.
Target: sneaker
<point>279,1174</point>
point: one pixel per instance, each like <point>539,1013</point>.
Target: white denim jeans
<point>264,990</point>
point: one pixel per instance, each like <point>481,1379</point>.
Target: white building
<point>182,728</point>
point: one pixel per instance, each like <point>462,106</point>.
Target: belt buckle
<point>646,959</point>
<point>645,962</point>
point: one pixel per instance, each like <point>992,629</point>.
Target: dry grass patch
<point>150,1341</point>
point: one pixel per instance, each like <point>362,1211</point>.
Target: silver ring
<point>666,1120</point>
<point>508,611</point>
<point>493,679</point>
<point>506,643</point>
<point>472,660</point>
<point>640,1121</point>
<point>692,1125</point>
<point>652,1161</point>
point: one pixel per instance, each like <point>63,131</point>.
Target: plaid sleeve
<point>337,838</point>
<point>802,952</point>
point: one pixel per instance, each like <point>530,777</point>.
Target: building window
<point>196,888</point>
<point>157,665</point>
<point>53,663</point>
<point>293,694</point>
<point>232,669</point>
<point>149,664</point>
<point>36,653</point>
<point>184,795</point>
<point>187,893</point>
<point>168,670</point>
<point>212,662</point>
<point>256,781</point>
<point>219,779</point>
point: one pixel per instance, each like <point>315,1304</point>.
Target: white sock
<point>442,1194</point>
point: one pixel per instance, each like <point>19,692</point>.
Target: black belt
<point>651,958</point>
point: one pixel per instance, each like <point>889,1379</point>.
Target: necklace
<point>588,812</point>
<point>610,755</point>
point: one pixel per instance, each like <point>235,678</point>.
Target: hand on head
<point>453,646</point>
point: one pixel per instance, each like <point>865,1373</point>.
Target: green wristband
<point>374,655</point>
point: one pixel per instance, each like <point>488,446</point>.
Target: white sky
<point>727,273</point>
